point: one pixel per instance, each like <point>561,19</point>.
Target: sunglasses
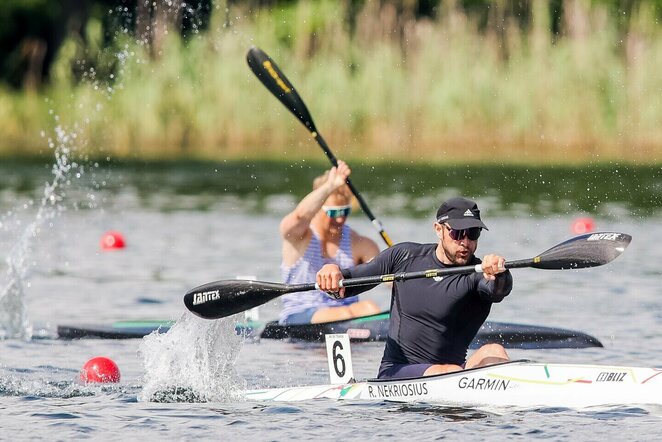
<point>337,211</point>
<point>473,233</point>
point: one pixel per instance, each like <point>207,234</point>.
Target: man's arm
<point>497,282</point>
<point>498,288</point>
<point>330,275</point>
<point>294,226</point>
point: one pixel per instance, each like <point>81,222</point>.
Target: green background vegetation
<point>564,81</point>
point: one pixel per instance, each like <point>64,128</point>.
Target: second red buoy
<point>583,225</point>
<point>112,240</point>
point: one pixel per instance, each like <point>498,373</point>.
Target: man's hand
<point>338,175</point>
<point>493,265</point>
<point>328,280</point>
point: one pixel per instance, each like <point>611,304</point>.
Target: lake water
<point>188,225</point>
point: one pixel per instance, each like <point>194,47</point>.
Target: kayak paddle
<point>273,78</point>
<point>219,299</point>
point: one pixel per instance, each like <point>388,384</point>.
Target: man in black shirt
<point>433,320</point>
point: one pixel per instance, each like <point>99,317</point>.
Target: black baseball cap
<point>460,213</point>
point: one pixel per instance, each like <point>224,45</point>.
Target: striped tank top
<point>305,270</point>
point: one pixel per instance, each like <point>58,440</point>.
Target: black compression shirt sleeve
<point>379,265</point>
<point>496,290</point>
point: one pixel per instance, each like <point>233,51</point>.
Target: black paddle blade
<point>219,299</point>
<point>273,78</point>
<point>588,250</point>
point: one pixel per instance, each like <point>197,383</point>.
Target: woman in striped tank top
<point>315,234</point>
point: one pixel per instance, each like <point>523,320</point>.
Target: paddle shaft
<point>364,205</point>
<point>277,83</point>
<point>404,276</point>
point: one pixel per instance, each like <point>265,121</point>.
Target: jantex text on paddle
<point>201,298</point>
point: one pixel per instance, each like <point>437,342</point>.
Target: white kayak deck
<point>513,384</point>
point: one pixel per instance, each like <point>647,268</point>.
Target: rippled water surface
<point>57,274</point>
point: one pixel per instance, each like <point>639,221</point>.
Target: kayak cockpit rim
<point>450,373</point>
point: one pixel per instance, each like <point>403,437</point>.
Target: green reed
<point>393,89</point>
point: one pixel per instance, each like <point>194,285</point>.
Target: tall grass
<point>394,88</point>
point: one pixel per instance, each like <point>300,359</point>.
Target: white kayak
<point>513,384</point>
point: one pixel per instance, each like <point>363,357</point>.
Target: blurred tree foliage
<point>32,31</point>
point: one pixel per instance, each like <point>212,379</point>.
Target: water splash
<point>193,362</point>
<point>44,388</point>
<point>53,385</point>
<point>14,321</point>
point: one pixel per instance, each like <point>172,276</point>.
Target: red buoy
<point>583,225</point>
<point>100,370</point>
<point>112,240</point>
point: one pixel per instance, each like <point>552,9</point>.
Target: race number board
<point>339,356</point>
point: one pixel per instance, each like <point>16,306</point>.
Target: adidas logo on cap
<point>468,213</point>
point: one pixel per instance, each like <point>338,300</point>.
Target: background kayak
<point>369,328</point>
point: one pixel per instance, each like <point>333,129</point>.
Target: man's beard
<point>457,260</point>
